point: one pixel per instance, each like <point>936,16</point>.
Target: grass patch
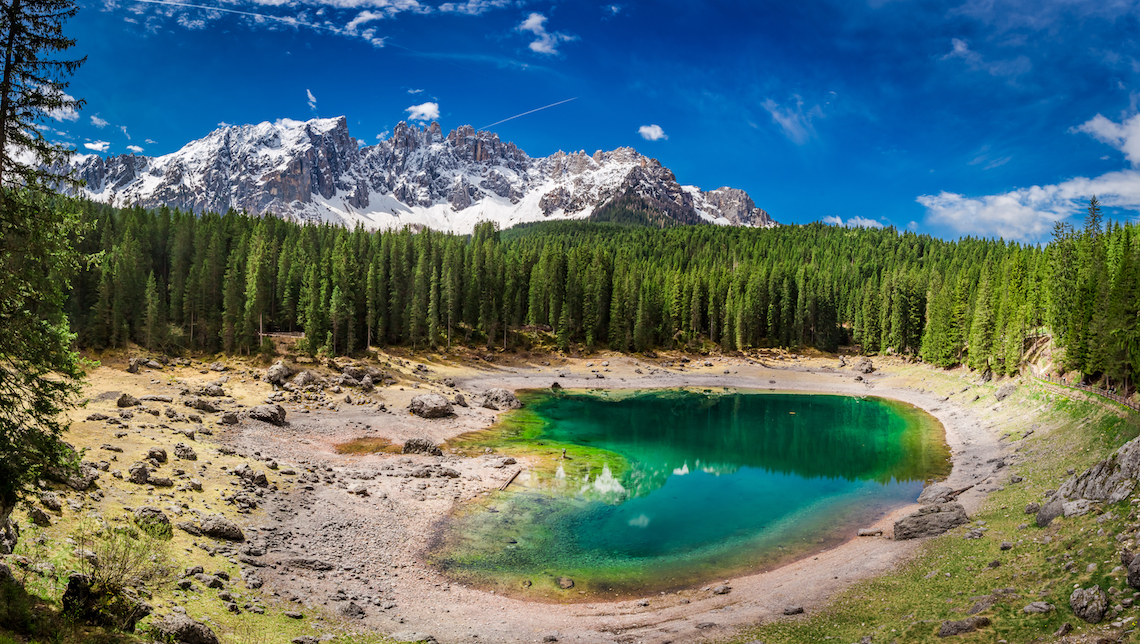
<point>368,445</point>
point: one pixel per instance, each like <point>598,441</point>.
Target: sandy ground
<point>374,542</point>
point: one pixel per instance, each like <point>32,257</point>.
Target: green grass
<point>951,574</point>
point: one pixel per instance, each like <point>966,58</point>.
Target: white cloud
<point>415,91</point>
<point>612,9</point>
<point>652,132</point>
<point>546,42</point>
<point>65,113</point>
<point>852,222</point>
<point>473,7</point>
<point>98,122</point>
<point>124,129</point>
<point>150,141</point>
<point>424,112</point>
<point>1029,213</point>
<point>312,100</point>
<point>1009,68</point>
<point>97,146</point>
<point>363,17</point>
<point>193,24</point>
<point>793,120</point>
<point>134,148</point>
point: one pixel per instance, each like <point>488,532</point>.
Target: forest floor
<point>368,548</point>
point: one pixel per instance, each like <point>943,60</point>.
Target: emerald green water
<point>664,489</point>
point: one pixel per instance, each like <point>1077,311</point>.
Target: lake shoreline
<point>428,603</point>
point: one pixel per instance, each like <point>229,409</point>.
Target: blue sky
<point>966,117</point>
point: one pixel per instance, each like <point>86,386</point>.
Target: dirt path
<point>372,542</point>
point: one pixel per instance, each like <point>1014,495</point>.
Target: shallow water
<point>665,489</point>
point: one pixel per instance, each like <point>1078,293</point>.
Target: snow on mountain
<point>315,171</point>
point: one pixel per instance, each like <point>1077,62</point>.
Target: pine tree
<point>153,323</point>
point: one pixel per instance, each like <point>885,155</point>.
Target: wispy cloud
<point>150,141</point>
<point>65,113</point>
<point>795,122</point>
<point>852,222</point>
<point>98,122</point>
<point>97,146</point>
<point>312,100</point>
<point>652,132</point>
<point>473,7</point>
<point>134,148</point>
<point>1029,213</point>
<point>545,42</point>
<point>1010,69</point>
<point>125,133</point>
<point>424,112</point>
<point>414,91</point>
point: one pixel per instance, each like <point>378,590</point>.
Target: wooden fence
<point>1092,390</point>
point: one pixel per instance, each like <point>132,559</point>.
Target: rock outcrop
<point>930,521</point>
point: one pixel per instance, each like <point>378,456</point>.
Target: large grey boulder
<point>1050,511</point>
<point>273,414</point>
<point>1090,604</point>
<point>1131,562</point>
<point>936,494</point>
<point>219,527</point>
<point>501,399</point>
<point>1005,391</point>
<point>277,374</point>
<point>430,406</point>
<point>177,627</point>
<point>930,521</point>
<point>1110,480</point>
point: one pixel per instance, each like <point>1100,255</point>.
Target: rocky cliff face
<point>316,171</point>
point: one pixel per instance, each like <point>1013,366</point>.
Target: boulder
<point>1050,511</point>
<point>38,517</point>
<point>219,527</point>
<point>139,474</point>
<point>217,366</point>
<point>864,365</point>
<point>565,583</point>
<point>500,399</point>
<point>185,452</point>
<point>273,414</point>
<point>277,374</point>
<point>1090,604</point>
<point>366,384</point>
<point>460,400</point>
<point>126,400</point>
<point>1110,480</point>
<point>229,418</point>
<point>9,536</point>
<point>935,494</point>
<point>195,402</point>
<point>1005,391</point>
<point>951,628</point>
<point>352,611</point>
<point>213,390</point>
<point>177,627</point>
<point>793,610</point>
<point>421,446</point>
<point>50,500</point>
<point>96,417</point>
<point>157,454</point>
<point>1077,508</point>
<point>153,519</point>
<point>930,521</point>
<point>304,379</point>
<point>1132,563</point>
<point>1036,608</point>
<point>430,406</point>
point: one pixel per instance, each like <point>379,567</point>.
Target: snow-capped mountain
<point>315,171</point>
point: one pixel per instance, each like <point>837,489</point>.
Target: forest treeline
<point>171,280</point>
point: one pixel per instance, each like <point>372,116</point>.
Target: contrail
<point>290,20</point>
<point>538,109</point>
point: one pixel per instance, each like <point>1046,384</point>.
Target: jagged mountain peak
<point>316,171</point>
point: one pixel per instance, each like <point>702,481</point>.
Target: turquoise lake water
<point>666,489</point>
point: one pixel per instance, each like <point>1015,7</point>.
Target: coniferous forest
<point>174,281</point>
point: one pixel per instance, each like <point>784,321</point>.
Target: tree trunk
<point>6,84</point>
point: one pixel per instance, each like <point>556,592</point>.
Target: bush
<point>122,556</point>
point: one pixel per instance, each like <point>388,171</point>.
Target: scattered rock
<point>430,406</point>
<point>273,414</point>
<point>500,399</point>
<point>1050,511</point>
<point>421,446</point>
<point>97,417</point>
<point>951,628</point>
<point>352,611</point>
<point>177,627</point>
<point>793,610</point>
<point>229,418</point>
<point>869,532</point>
<point>309,563</point>
<point>1090,604</point>
<point>156,453</point>
<point>930,521</point>
<point>152,519</point>
<point>219,527</point>
<point>277,374</point>
<point>185,452</point>
<point>864,365</point>
<point>37,516</point>
<point>126,400</point>
<point>936,494</point>
<point>50,500</point>
<point>1032,508</point>
<point>565,583</point>
<point>1005,391</point>
<point>139,474</point>
<point>1038,607</point>
<point>721,590</point>
<point>460,400</point>
<point>292,614</point>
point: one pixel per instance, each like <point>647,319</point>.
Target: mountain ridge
<point>316,171</point>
